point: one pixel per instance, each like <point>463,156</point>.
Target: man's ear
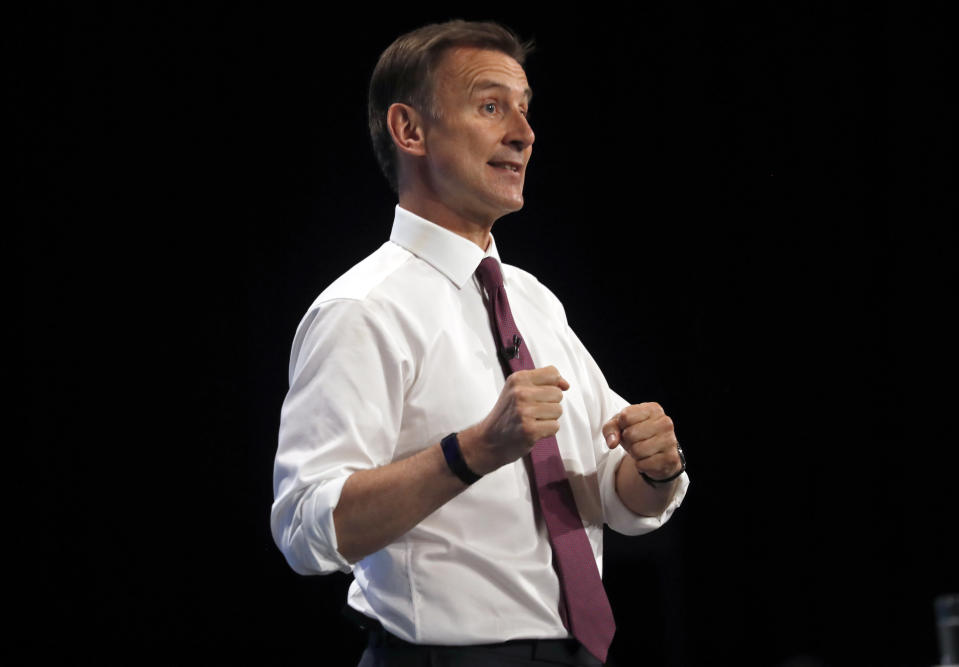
<point>406,128</point>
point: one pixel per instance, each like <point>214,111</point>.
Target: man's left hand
<point>646,433</point>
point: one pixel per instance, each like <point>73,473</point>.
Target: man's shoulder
<point>365,276</point>
<point>354,295</point>
<point>352,303</point>
<point>386,287</point>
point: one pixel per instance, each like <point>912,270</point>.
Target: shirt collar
<point>449,253</point>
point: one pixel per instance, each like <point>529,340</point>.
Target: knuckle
<point>529,430</point>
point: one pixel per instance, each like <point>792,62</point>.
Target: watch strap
<point>454,459</point>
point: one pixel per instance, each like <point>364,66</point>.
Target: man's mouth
<point>508,166</point>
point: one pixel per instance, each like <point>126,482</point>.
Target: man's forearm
<point>638,495</point>
<point>378,506</point>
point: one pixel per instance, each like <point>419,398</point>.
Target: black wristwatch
<point>682,459</point>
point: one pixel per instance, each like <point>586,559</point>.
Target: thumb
<point>611,432</point>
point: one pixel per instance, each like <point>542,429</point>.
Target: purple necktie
<point>587,613</point>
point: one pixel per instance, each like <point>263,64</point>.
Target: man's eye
<point>490,107</point>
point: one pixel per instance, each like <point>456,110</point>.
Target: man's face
<point>478,147</point>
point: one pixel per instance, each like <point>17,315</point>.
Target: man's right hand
<point>527,410</point>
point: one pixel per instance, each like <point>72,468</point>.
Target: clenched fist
<point>647,435</point>
<point>527,410</point>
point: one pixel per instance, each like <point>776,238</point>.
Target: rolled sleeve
<point>340,415</point>
<point>605,405</point>
<point>303,529</point>
<point>617,516</point>
<point>622,519</point>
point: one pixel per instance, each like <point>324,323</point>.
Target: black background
<point>747,211</point>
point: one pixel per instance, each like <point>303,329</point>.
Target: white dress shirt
<point>394,355</point>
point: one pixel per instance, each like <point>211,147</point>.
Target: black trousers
<point>385,650</point>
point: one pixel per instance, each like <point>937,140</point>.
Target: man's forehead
<point>470,69</point>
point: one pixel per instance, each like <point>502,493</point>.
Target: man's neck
<point>439,214</point>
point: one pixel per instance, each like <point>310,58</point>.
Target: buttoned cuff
<point>622,519</point>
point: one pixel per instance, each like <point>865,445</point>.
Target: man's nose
<point>520,134</point>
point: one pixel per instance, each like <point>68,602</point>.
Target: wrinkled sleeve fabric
<point>342,413</point>
<point>606,404</point>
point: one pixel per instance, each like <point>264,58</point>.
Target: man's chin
<point>496,209</point>
<point>512,204</point>
<point>517,205</point>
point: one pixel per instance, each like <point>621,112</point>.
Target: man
<point>399,397</point>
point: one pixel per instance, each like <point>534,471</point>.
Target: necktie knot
<point>489,273</point>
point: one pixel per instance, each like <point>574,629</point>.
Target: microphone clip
<point>512,352</point>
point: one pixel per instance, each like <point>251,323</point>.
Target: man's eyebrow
<point>485,84</point>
